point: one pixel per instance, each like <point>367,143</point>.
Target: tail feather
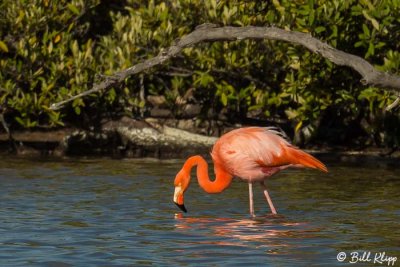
<point>302,158</point>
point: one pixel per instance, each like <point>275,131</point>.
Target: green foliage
<point>44,62</point>
<point>51,50</point>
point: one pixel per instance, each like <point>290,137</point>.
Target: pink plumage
<point>254,153</point>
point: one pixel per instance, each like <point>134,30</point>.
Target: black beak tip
<point>182,207</point>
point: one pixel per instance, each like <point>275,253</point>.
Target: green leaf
<point>224,99</point>
<point>373,21</point>
<point>77,110</point>
<point>366,30</point>
<point>3,46</point>
<point>358,44</point>
<point>319,29</point>
<point>371,50</point>
<point>74,9</point>
<point>311,17</point>
<point>298,126</point>
<point>20,121</point>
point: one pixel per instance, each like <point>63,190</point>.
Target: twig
<point>394,104</point>
<point>10,137</point>
<point>209,32</point>
<point>4,124</point>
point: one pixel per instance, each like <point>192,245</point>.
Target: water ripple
<point>119,213</point>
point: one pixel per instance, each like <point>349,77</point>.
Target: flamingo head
<point>181,183</point>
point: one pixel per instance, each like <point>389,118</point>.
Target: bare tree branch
<point>210,32</point>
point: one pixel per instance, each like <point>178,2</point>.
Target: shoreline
<point>149,138</point>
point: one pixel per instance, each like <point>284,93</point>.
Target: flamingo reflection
<point>265,232</point>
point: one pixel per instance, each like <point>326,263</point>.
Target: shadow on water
<point>120,213</point>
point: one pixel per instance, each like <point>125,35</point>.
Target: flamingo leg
<point>269,200</point>
<point>251,200</point>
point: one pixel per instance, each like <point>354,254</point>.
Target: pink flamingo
<point>252,154</point>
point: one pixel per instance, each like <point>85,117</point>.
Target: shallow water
<point>120,213</point>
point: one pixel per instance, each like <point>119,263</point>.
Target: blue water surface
<point>103,212</point>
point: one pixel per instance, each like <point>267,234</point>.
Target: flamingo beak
<point>178,198</point>
<point>182,207</point>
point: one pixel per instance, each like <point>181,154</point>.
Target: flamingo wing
<point>253,153</point>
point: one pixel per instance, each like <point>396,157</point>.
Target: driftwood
<point>210,32</point>
<point>125,137</point>
<point>152,133</point>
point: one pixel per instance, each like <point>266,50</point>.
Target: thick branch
<point>209,32</point>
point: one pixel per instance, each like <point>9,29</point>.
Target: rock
<point>157,100</point>
<point>160,113</point>
<point>191,110</point>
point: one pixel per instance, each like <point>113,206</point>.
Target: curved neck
<point>222,178</point>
